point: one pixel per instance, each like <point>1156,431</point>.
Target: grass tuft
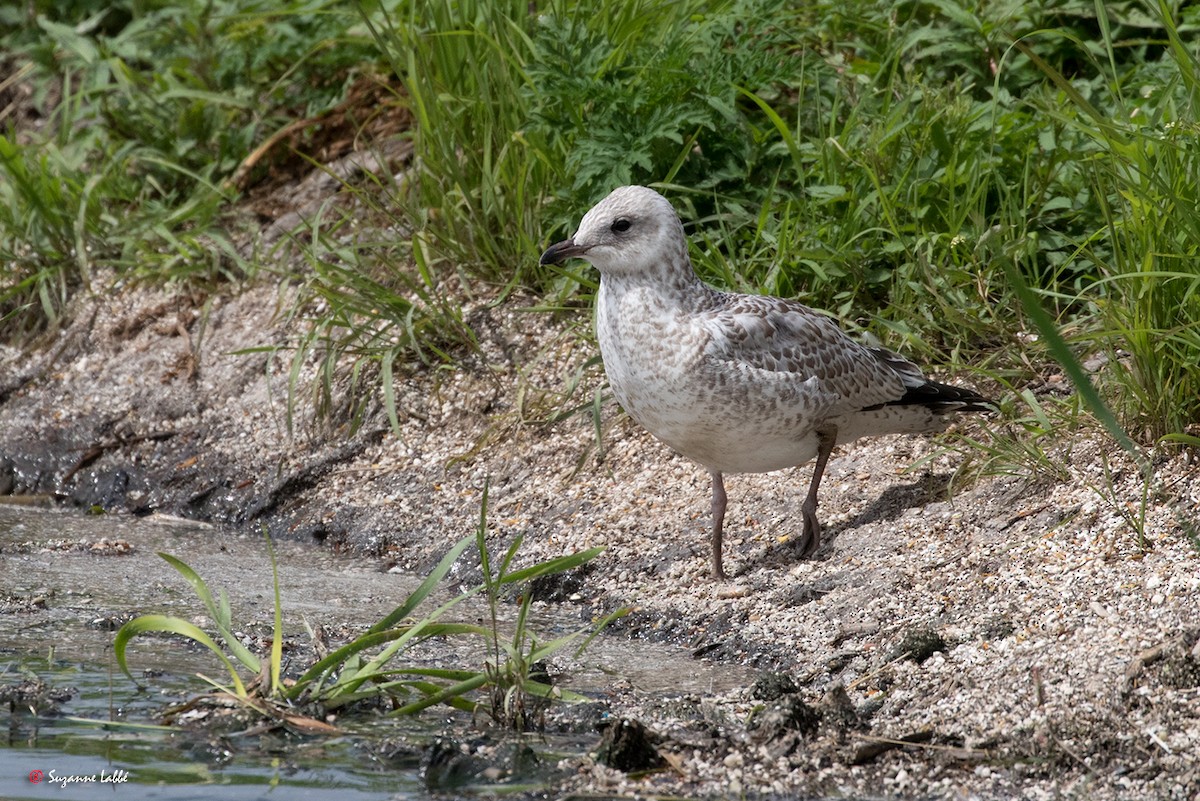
<point>371,666</point>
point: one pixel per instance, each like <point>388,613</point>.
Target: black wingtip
<point>945,398</point>
<point>942,399</point>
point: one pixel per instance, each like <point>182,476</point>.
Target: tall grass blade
<point>243,655</point>
<point>1062,354</point>
<point>170,625</point>
<point>276,663</point>
<point>426,587</point>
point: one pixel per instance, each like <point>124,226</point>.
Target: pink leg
<point>718,523</point>
<point>811,539</point>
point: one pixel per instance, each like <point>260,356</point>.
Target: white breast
<point>654,355</point>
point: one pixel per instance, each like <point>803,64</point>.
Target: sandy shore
<point>1010,637</point>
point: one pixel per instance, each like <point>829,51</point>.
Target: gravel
<point>1013,637</point>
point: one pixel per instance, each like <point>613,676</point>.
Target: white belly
<point>653,358</point>
<point>720,442</point>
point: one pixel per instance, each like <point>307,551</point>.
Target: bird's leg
<point>718,523</point>
<point>826,439</point>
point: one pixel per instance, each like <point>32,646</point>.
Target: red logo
<point>35,776</point>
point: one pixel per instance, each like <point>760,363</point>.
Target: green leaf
<point>550,691</point>
<point>170,625</point>
<point>1062,353</point>
<point>425,588</point>
<point>219,614</point>
<point>389,389</point>
<point>552,566</point>
<point>277,630</point>
<point>442,695</point>
<point>66,38</point>
<point>1182,439</point>
<point>344,654</point>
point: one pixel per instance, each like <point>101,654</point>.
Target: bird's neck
<point>675,278</point>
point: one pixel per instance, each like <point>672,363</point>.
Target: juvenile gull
<point>736,383</point>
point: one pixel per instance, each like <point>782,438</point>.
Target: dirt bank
<point>1018,639</point>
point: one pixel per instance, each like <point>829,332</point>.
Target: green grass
<point>156,107</point>
<point>909,167</point>
<point>992,187</point>
<point>385,310</point>
<point>375,666</point>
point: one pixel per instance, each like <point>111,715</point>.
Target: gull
<point>737,383</point>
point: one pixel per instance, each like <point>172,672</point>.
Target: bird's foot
<point>810,540</point>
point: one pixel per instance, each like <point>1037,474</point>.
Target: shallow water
<point>80,760</point>
<point>61,601</point>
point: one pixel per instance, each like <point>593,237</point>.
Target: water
<point>68,580</point>
<point>91,763</point>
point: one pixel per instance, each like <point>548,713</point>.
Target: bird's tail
<point>939,398</point>
<point>942,398</point>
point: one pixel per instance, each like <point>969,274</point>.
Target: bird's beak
<point>561,251</point>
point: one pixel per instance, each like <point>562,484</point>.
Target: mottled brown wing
<point>788,340</point>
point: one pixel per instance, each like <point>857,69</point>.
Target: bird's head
<point>634,230</point>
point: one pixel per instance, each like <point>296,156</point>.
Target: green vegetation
<point>915,164</point>
<point>996,187</point>
<point>371,668</point>
<point>148,110</point>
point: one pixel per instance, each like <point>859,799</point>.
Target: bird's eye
<point>621,225</point>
